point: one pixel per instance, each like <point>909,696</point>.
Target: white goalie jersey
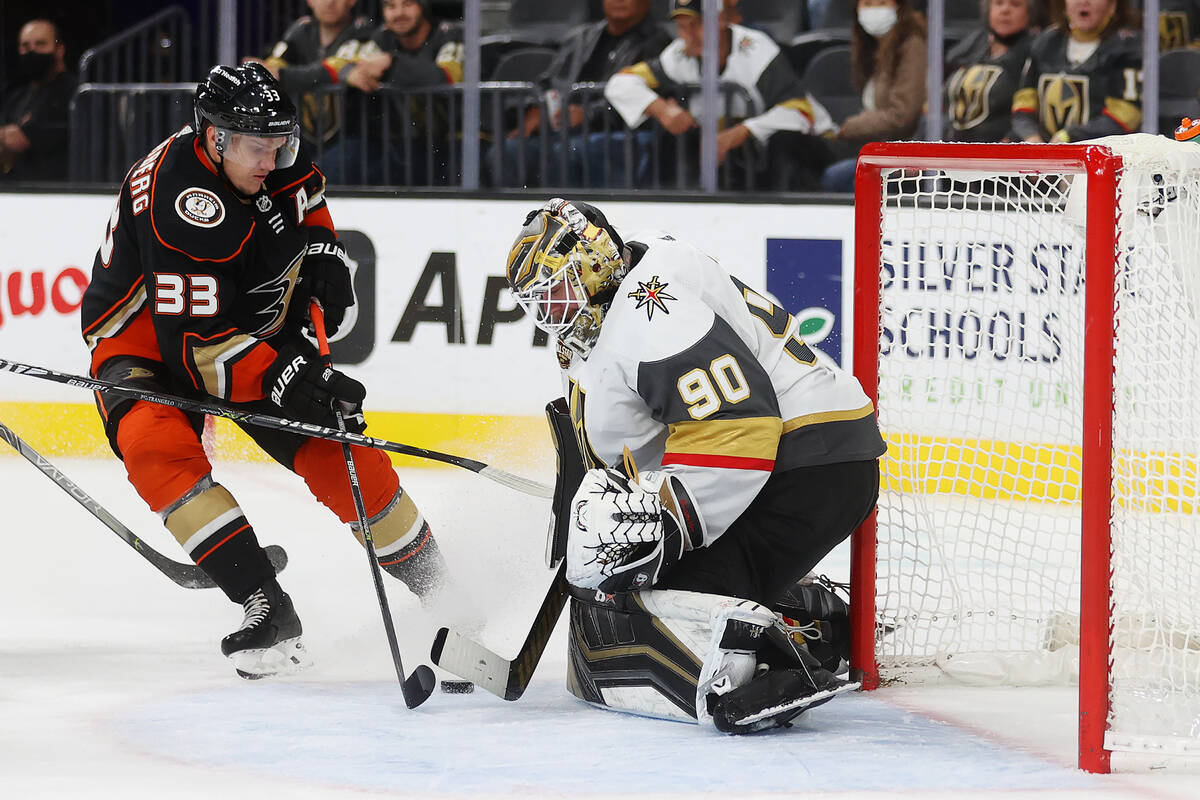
<point>703,377</point>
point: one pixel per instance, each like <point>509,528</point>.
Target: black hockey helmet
<point>246,100</point>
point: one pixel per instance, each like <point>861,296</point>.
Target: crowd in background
<point>614,102</point>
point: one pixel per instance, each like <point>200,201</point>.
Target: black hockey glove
<point>325,277</point>
<point>305,390</point>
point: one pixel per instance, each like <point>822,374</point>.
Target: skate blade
<point>284,658</point>
<point>798,706</point>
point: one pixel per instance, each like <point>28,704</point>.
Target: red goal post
<point>993,363</point>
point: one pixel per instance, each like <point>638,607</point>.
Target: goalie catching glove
<point>305,390</point>
<point>625,534</point>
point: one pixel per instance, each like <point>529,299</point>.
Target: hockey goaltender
<point>690,595</point>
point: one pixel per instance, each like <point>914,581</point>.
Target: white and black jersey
<point>777,99</point>
<point>704,377</point>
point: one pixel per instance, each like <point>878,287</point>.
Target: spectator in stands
<point>424,52</point>
<point>329,48</point>
<point>887,54</point>
<point>1083,76</point>
<point>33,121</point>
<point>787,129</point>
<point>592,53</point>
<point>985,70</point>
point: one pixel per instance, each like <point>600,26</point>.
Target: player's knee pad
<point>322,465</point>
<point>162,453</point>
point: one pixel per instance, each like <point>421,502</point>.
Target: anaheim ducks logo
<point>1063,101</point>
<point>275,296</point>
<point>652,295</point>
<point>137,372</point>
<point>970,94</point>
<point>199,207</point>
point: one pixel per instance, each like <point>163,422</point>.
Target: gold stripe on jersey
<point>211,360</point>
<point>117,318</point>
<point>1025,100</point>
<point>750,437</point>
<point>827,416</point>
<point>643,71</point>
<point>1124,112</point>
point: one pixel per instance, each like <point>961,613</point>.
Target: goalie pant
<point>692,657</point>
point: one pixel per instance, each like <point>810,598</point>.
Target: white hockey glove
<point>621,538</point>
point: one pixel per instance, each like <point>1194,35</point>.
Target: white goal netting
<point>981,387</point>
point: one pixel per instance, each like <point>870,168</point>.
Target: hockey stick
<point>188,576</point>
<point>507,679</point>
<point>468,659</point>
<point>508,479</point>
<point>418,686</point>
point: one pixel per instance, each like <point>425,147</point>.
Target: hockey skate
<point>268,642</point>
<point>775,698</point>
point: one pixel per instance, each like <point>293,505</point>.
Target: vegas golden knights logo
<point>321,115</point>
<point>1172,30</point>
<point>575,402</point>
<point>970,91</point>
<point>1063,100</point>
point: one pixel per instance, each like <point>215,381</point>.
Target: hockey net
<point>1028,317</point>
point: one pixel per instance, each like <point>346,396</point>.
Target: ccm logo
<point>285,377</point>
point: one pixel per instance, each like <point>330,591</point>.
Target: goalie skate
<point>268,643</point>
<point>789,692</point>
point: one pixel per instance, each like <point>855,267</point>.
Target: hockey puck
<point>458,687</point>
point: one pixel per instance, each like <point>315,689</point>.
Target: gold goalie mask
<point>564,269</point>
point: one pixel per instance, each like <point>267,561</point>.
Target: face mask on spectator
<point>877,20</point>
<point>35,65</point>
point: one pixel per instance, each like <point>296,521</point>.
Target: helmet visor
<point>556,300</point>
<point>259,152</point>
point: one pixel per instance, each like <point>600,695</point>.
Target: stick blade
<point>418,686</point>
<point>468,659</point>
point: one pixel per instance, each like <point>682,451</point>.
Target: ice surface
<point>112,683</point>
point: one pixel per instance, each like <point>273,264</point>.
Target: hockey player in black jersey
<point>724,458</point>
<point>218,242</point>
<point>1083,76</point>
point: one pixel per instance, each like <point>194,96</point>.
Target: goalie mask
<point>564,269</point>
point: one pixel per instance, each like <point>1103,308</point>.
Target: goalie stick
<point>508,479</point>
<point>417,687</point>
<point>188,576</point>
<point>468,659</point>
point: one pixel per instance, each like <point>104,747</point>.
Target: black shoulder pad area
<point>192,210</point>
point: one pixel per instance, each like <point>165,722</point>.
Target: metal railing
<point>413,137</point>
<point>159,48</point>
<point>112,125</point>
